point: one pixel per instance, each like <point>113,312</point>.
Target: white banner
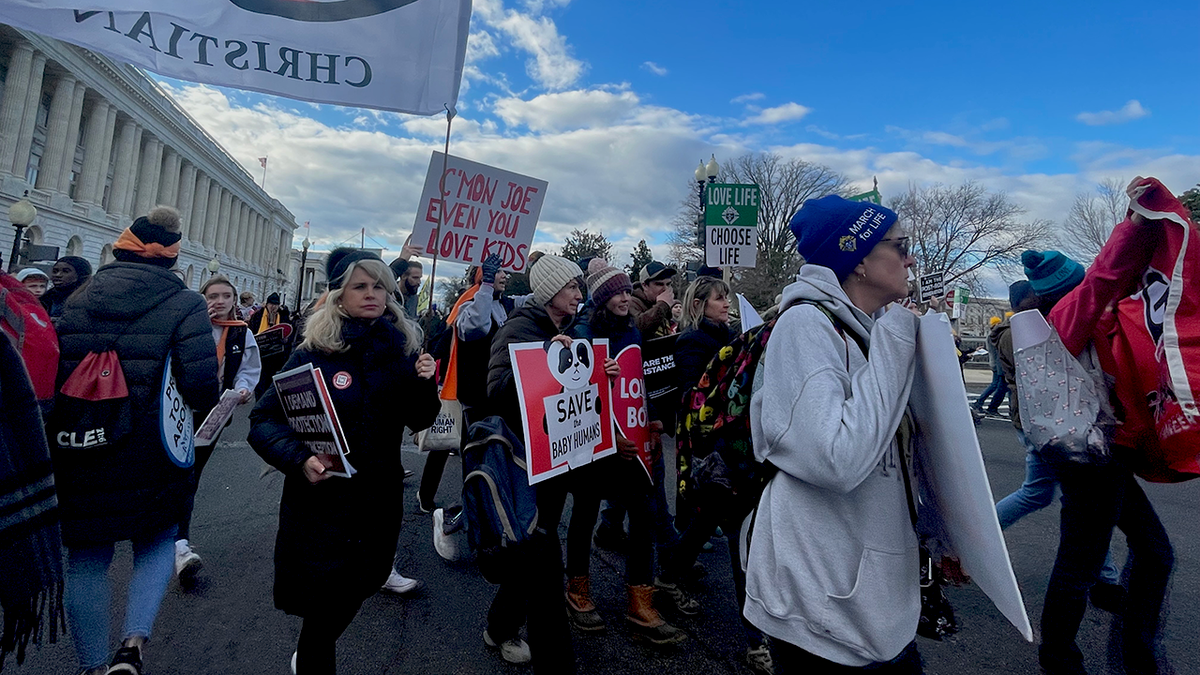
<point>402,55</point>
<point>487,210</point>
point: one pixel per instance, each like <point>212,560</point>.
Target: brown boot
<point>579,604</point>
<point>646,621</point>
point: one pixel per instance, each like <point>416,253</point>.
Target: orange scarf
<point>128,241</point>
<point>226,324</point>
<point>450,386</point>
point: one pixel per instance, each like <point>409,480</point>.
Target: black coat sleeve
<point>422,402</point>
<point>692,354</point>
<point>195,358</point>
<point>270,434</point>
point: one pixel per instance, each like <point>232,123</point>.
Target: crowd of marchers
<point>99,364</point>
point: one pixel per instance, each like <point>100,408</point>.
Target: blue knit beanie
<point>837,233</point>
<point>1051,273</point>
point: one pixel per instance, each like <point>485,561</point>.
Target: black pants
<point>203,454</point>
<point>316,648</point>
<point>431,477</point>
<point>1096,498</point>
<point>625,483</point>
<point>790,659</point>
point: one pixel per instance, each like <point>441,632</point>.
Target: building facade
<point>96,143</point>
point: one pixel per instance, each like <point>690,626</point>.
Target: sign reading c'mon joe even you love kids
<point>402,55</point>
<point>486,210</point>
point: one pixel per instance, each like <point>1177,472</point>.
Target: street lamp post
<point>704,175</point>
<point>213,266</point>
<point>21,213</point>
<point>300,285</point>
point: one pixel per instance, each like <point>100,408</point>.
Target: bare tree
<point>1092,218</point>
<point>964,228</point>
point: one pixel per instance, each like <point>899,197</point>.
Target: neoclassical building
<point>96,143</point>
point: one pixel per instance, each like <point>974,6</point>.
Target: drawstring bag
<point>446,431</point>
<point>92,410</point>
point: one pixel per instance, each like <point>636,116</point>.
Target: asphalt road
<point>228,624</point>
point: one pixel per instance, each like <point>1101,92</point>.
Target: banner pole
<point>450,113</point>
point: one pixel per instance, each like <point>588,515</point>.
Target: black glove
<point>491,265</point>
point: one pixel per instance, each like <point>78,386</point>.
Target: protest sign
<point>212,426</point>
<point>273,341</point>
<point>749,316</point>
<point>402,55</point>
<point>951,469</point>
<point>176,423</point>
<point>484,210</point>
<point>932,286</point>
<point>731,225</point>
<point>310,413</point>
<point>658,364</point>
<point>629,405</point>
<point>566,405</point>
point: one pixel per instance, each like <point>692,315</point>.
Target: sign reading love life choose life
<point>485,210</point>
<point>566,405</point>
<point>731,225</point>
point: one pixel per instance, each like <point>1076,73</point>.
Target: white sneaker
<point>187,563</point>
<point>401,585</point>
<point>513,651</point>
<point>294,662</point>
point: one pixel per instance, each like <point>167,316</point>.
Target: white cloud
<point>562,111</point>
<point>788,112</point>
<point>552,66</point>
<point>746,98</point>
<point>655,68</point>
<point>1130,111</point>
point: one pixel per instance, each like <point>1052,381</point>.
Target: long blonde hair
<point>700,289</point>
<point>323,331</point>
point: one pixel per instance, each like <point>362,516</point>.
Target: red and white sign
<point>565,405</point>
<point>484,210</point>
<point>630,412</point>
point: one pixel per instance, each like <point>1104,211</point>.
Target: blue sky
<point>614,102</point>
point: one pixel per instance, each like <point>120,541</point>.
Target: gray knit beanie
<point>549,275</point>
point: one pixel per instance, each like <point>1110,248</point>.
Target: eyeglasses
<point>901,245</point>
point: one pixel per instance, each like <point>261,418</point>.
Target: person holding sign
<point>833,570</point>
<point>129,486</point>
<point>621,478</point>
<point>538,596</point>
<point>269,317</point>
<point>337,536</point>
<point>238,367</point>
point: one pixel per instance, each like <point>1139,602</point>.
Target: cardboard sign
<point>484,210</point>
<point>658,365</point>
<point>212,426</point>
<point>629,405</point>
<point>310,413</point>
<point>951,464</point>
<point>566,405</point>
<point>273,341</point>
<point>932,286</point>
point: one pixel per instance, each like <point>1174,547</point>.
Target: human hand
<point>245,395</point>
<point>626,448</point>
<point>564,340</point>
<point>612,368</point>
<point>315,468</point>
<point>408,250</point>
<point>656,431</point>
<point>491,265</point>
<point>426,366</point>
<point>1134,190</point>
<point>214,313</point>
<point>952,571</point>
<point>668,295</point>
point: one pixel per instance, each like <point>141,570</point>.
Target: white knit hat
<point>549,275</point>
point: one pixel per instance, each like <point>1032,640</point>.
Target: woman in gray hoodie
<point>832,573</point>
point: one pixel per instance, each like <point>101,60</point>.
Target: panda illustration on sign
<point>572,367</point>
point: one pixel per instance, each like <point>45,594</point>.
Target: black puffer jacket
<point>697,346</point>
<point>337,538</point>
<point>531,323</point>
<point>134,489</point>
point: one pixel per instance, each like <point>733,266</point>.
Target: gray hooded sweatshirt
<point>833,563</point>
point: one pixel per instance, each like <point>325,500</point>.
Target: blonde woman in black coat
<point>337,536</point>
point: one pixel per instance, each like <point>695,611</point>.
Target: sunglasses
<point>901,245</point>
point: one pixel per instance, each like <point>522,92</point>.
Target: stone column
<point>222,240</point>
<point>12,108</point>
<point>106,157</point>
<point>33,99</point>
<point>214,211</point>
<point>68,163</point>
<point>235,215</point>
<point>56,133</point>
<point>94,142</point>
<point>148,177</point>
<point>260,242</point>
<point>199,208</point>
<point>134,171</point>
<point>168,188</point>
<point>187,194</point>
<point>243,231</point>
<point>122,176</point>
<point>285,250</point>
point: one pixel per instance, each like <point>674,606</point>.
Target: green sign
<point>731,204</point>
<point>873,196</point>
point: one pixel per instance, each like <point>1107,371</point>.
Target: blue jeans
<point>1035,494</point>
<point>88,592</point>
<point>998,387</point>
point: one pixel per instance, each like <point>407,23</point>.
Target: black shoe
<point>1108,597</point>
<point>1055,663</point>
<point>127,661</point>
